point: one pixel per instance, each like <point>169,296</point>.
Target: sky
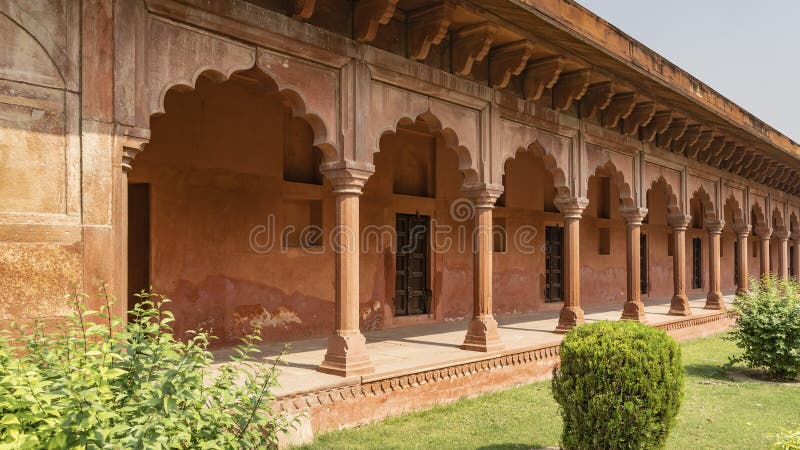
<point>749,51</point>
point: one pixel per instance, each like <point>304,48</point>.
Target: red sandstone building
<point>496,158</point>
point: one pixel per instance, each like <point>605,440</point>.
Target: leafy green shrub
<point>767,327</point>
<point>787,441</point>
<point>95,384</point>
<point>619,386</point>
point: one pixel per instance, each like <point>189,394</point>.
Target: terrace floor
<point>396,351</point>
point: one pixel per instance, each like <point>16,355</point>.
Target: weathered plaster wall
<point>40,235</point>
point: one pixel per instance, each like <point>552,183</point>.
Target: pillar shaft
<point>783,254</point>
<point>714,299</point>
<point>741,245</point>
<point>680,302</point>
<point>796,256</point>
<point>347,350</point>
<point>764,235</point>
<point>482,334</point>
<point>634,308</point>
<point>571,313</point>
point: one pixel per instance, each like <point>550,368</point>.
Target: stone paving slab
<point>399,350</point>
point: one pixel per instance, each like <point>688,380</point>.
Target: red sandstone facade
<point>185,144</point>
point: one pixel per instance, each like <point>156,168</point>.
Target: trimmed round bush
<point>619,386</point>
<point>768,327</point>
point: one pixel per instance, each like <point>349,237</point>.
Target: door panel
<point>644,278</point>
<point>411,265</point>
<point>138,241</point>
<point>554,239</point>
<point>697,267</point>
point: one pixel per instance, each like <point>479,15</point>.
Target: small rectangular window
<point>604,241</point>
<point>697,258</point>
<point>499,234</point>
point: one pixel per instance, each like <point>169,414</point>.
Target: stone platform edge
<point>355,403</point>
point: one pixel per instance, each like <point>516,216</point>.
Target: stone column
<point>764,234</point>
<point>796,243</point>
<point>634,308</point>
<point>482,333</point>
<point>347,349</point>
<point>571,313</point>
<point>714,299</point>
<point>783,253</point>
<point>680,302</point>
<point>742,233</point>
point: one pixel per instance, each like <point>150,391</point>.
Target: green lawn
<point>718,412</point>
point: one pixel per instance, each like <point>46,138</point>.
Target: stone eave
<point>588,36</point>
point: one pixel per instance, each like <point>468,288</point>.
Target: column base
<point>740,291</point>
<point>715,301</point>
<point>570,317</point>
<point>634,311</point>
<point>680,306</point>
<point>482,335</point>
<point>347,355</point>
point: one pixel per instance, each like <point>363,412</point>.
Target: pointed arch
<point>778,222</point>
<point>757,216</point>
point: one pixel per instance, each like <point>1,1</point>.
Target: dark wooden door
<point>138,241</point>
<point>643,275</point>
<point>553,271</point>
<point>412,295</point>
<point>697,263</point>
<point>792,268</point>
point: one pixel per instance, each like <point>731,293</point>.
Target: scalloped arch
<point>709,209</point>
<point>618,178</point>
<point>451,141</point>
<point>732,204</point>
<point>756,211</point>
<point>290,96</point>
<point>550,165</point>
<point>780,223</point>
<point>672,199</point>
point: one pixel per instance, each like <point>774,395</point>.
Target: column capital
<point>634,216</point>
<point>782,235</point>
<point>347,177</point>
<point>715,226</point>
<point>742,230</point>
<point>571,207</point>
<point>679,221</point>
<point>483,195</point>
<point>763,232</point>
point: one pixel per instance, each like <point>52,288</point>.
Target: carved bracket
<point>724,152</point>
<point>701,144</point>
<point>621,106</point>
<point>641,115</point>
<point>426,27</point>
<point>570,87</point>
<point>689,138</point>
<point>540,74</point>
<point>674,131</point>
<point>131,141</point>
<point>713,150</point>
<point>369,15</point>
<point>658,124</point>
<point>598,97</point>
<point>508,60</point>
<point>470,45</point>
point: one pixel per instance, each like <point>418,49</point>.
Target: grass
<point>718,413</point>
